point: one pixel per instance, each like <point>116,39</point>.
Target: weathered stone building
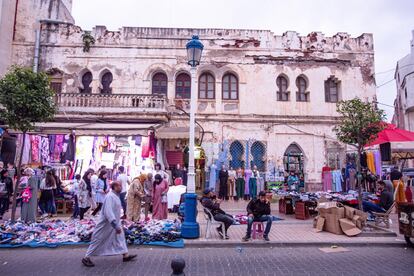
<point>260,95</point>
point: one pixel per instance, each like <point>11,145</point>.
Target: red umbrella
<point>393,134</point>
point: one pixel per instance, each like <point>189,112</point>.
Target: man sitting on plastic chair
<point>259,210</point>
<point>210,202</point>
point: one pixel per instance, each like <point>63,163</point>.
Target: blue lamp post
<point>190,228</point>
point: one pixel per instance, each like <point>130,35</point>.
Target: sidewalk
<point>287,232</point>
<point>292,232</point>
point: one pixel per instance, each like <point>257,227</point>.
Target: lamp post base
<point>190,229</point>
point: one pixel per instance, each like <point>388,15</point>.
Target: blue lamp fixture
<point>190,229</point>
<point>194,49</point>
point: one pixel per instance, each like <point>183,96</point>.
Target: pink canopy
<point>393,134</point>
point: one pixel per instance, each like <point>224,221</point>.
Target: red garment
<point>408,194</point>
<point>145,147</point>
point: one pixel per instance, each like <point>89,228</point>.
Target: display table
<point>301,210</point>
<point>174,195</point>
<point>286,206</point>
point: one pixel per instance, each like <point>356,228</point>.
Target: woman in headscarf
<point>134,198</point>
<point>148,188</point>
<point>102,188</point>
<point>160,203</point>
<point>85,193</point>
<point>29,197</point>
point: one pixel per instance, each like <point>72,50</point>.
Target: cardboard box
<point>332,224</point>
<point>349,212</point>
<point>349,228</point>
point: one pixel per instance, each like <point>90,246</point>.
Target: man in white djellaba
<point>108,238</point>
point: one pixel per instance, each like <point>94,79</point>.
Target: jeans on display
<point>123,202</point>
<point>264,218</point>
<point>253,188</point>
<point>240,188</point>
<point>369,206</point>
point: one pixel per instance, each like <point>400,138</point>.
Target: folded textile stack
<point>152,231</point>
<point>49,232</point>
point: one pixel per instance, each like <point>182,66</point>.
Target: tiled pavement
<point>211,261</point>
<point>288,231</point>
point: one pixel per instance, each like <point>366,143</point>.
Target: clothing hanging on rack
<point>371,162</point>
<point>326,178</point>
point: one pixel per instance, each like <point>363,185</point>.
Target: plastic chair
<point>211,221</point>
<point>258,230</point>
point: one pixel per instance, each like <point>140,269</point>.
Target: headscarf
<point>29,172</point>
<point>142,178</point>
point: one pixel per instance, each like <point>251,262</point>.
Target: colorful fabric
<point>371,162</point>
<point>35,144</point>
<point>44,150</point>
<point>377,159</point>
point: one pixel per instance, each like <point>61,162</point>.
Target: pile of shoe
<point>152,231</point>
<point>53,231</point>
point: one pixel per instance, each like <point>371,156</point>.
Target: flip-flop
<point>129,258</point>
<point>87,262</point>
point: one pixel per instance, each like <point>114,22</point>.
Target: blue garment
<point>100,191</point>
<point>213,176</point>
<point>349,166</point>
<point>369,206</point>
<point>337,181</point>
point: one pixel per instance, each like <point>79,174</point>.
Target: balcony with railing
<point>111,103</point>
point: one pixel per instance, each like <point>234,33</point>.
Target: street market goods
<point>56,232</point>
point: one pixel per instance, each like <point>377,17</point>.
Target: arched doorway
<point>236,153</point>
<point>294,159</point>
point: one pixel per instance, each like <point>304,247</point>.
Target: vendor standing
<point>29,204</point>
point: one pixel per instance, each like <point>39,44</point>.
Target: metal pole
<point>191,169</point>
<point>190,229</point>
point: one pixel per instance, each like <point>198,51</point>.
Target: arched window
<point>160,84</point>
<point>86,82</point>
<point>230,86</point>
<point>206,86</point>
<point>183,86</point>
<point>258,151</point>
<point>282,85</point>
<point>106,81</point>
<point>332,90</point>
<point>236,152</point>
<point>301,94</point>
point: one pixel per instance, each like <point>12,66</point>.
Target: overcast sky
<point>391,22</point>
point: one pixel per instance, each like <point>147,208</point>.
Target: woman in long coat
<point>160,204</point>
<point>223,177</point>
<point>29,209</point>
<point>134,198</point>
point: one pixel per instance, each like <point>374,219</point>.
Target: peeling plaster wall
<point>257,57</point>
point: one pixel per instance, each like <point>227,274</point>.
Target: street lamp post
<point>190,228</point>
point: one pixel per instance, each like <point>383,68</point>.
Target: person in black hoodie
<point>259,210</point>
<point>210,202</point>
<point>6,191</point>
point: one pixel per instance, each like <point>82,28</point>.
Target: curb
<point>291,244</point>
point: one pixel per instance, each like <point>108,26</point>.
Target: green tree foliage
<point>25,98</point>
<point>360,124</point>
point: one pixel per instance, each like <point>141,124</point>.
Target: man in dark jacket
<point>259,210</point>
<point>210,202</point>
<point>386,200</point>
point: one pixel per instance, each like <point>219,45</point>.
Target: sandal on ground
<point>129,258</point>
<point>87,262</point>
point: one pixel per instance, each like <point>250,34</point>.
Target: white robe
<point>105,240</point>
